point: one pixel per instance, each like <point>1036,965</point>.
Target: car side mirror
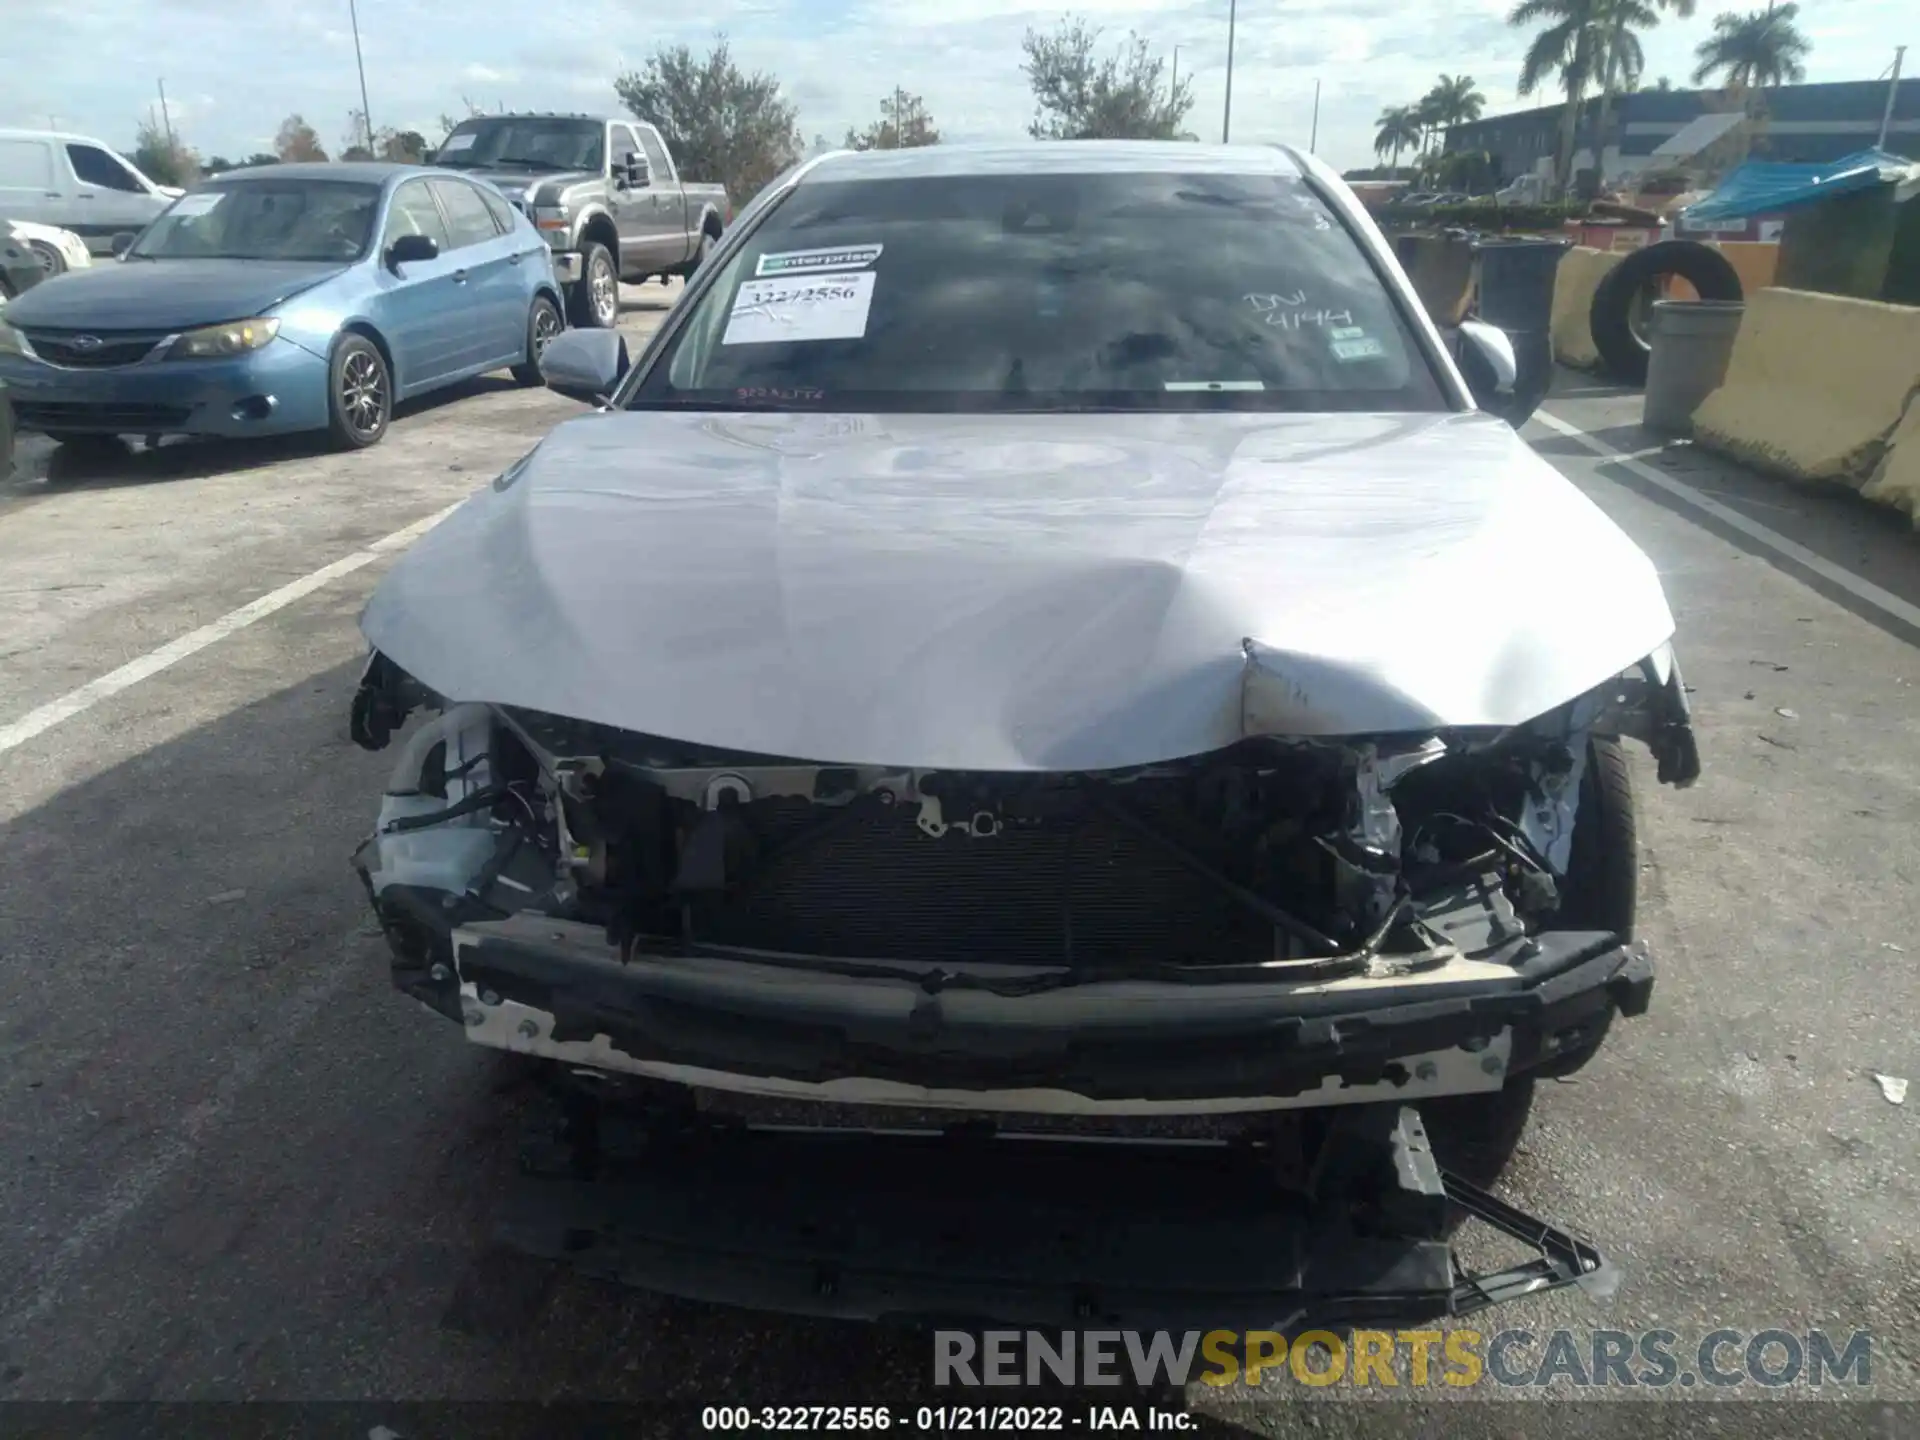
<point>122,242</point>
<point>1506,381</point>
<point>585,365</point>
<point>638,173</point>
<point>409,248</point>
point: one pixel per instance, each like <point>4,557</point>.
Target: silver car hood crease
<point>1019,593</point>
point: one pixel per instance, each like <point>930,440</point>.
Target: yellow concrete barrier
<point>1581,270</point>
<point>1815,388</point>
<point>1754,261</point>
<point>1896,481</point>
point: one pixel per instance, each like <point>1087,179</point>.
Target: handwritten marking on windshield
<point>1267,304</point>
<point>1296,319</point>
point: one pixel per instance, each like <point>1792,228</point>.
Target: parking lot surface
<point>235,1165</point>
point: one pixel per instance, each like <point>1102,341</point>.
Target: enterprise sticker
<point>800,262</point>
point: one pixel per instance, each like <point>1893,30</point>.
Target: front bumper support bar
<point>1339,1225</point>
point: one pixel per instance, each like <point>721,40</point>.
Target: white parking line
<point>75,702</point>
<point>1865,591</point>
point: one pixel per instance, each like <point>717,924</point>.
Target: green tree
<point>1569,47</point>
<point>296,140</point>
<point>904,124</point>
<point>163,158</point>
<point>1081,96</point>
<point>216,164</point>
<point>408,147</point>
<point>720,123</point>
<point>261,157</point>
<point>1468,170</point>
<point>1397,129</point>
<point>1758,50</point>
<point>1453,100</point>
<point>1622,61</point>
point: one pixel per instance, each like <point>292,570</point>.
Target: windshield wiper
<point>527,164</point>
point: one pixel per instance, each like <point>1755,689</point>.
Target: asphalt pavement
<point>234,1165</point>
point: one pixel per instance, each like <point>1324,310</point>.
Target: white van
<point>77,184</point>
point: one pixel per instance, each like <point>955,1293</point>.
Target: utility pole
<point>1314,142</point>
<point>1893,89</point>
<point>166,119</point>
<point>1173,90</point>
<point>366,115</point>
<point>1226,115</point>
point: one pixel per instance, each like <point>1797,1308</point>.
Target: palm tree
<point>1622,60</point>
<point>1453,100</point>
<point>1397,129</point>
<point>1757,50</point>
<point>1571,48</point>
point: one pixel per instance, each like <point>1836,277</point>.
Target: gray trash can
<point>1689,343</point>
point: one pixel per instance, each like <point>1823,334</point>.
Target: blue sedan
<point>286,298</point>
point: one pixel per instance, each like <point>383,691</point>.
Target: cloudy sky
<point>234,68</point>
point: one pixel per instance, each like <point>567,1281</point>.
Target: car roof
<point>1053,157</point>
<point>377,172</point>
<point>62,137</point>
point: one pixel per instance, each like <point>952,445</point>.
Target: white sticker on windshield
<point>1212,387</point>
<point>1357,349</point>
<point>188,206</point>
<point>1347,332</point>
<point>458,142</point>
<point>800,262</point>
<point>827,307</point>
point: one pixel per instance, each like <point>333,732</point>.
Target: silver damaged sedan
<point>1047,720</point>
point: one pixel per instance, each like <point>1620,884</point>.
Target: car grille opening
<point>83,350</point>
<point>106,419</point>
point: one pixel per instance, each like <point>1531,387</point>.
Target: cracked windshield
<point>957,716</point>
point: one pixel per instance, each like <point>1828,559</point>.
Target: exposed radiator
<point>1073,888</point>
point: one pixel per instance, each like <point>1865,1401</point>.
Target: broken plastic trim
<point>1564,1259</point>
<point>386,696</point>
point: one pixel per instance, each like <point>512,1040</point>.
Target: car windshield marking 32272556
<point>1140,291</point>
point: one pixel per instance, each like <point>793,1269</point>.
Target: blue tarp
<point>1762,187</point>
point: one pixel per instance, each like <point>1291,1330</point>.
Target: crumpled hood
<point>1059,592</point>
<point>166,294</point>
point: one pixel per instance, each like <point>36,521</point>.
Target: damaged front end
<point>1315,935</point>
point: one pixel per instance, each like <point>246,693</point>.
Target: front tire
<point>595,302</point>
<point>359,393</point>
<point>1602,889</point>
<point>1476,1135</point>
<point>543,323</point>
<point>49,256</point>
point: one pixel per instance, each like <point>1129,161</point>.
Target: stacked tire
<point>1617,301</point>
